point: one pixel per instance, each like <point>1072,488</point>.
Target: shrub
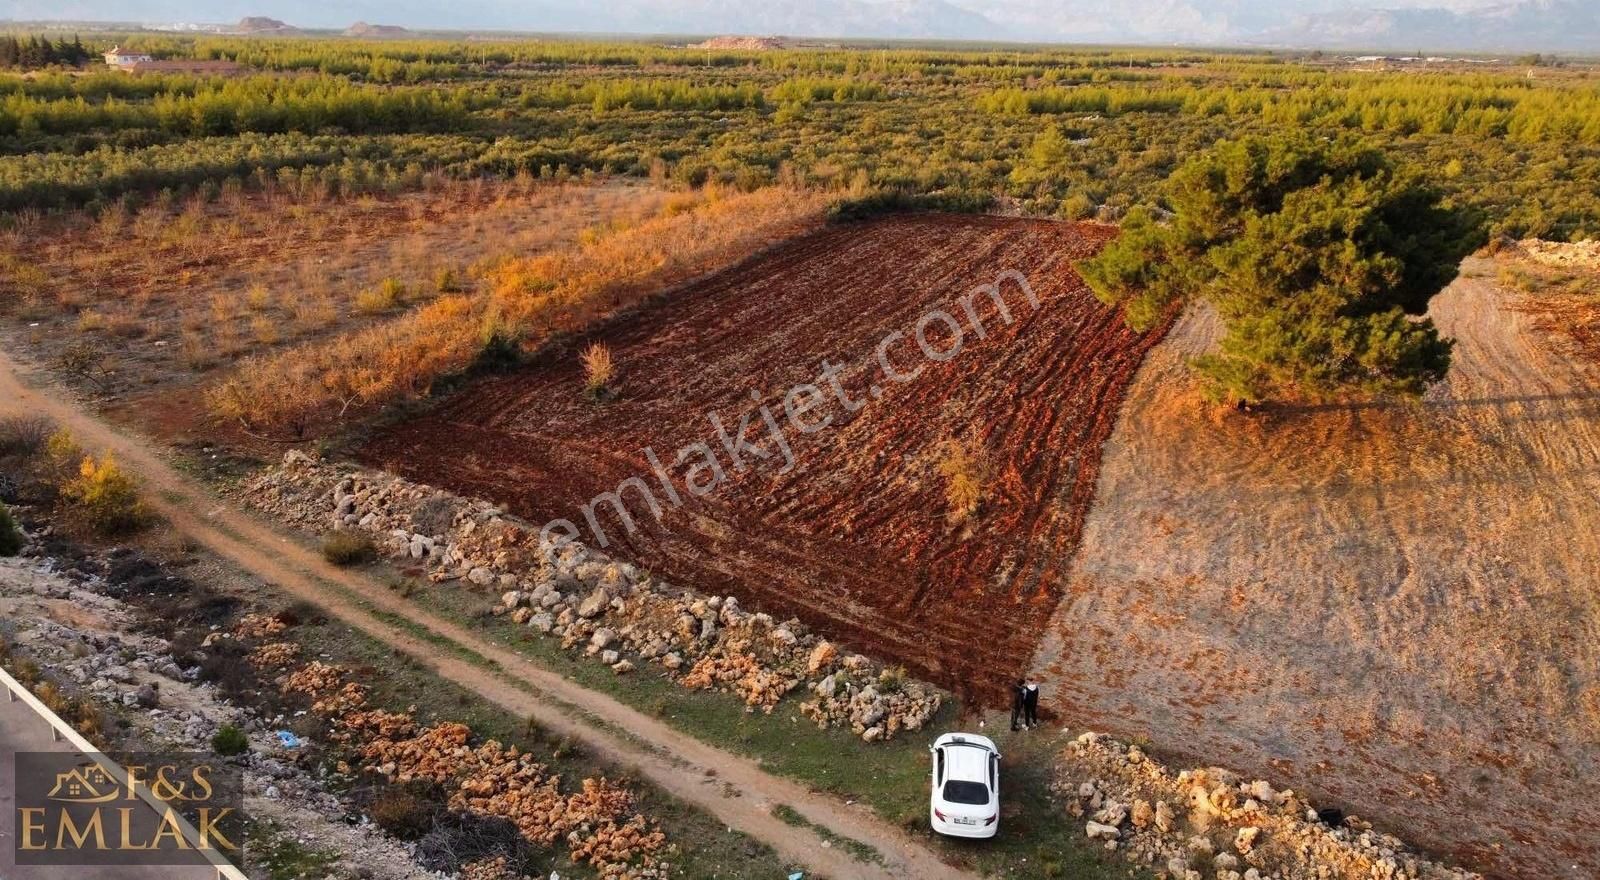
<point>374,301</point>
<point>258,298</point>
<point>406,810</point>
<point>24,436</point>
<point>229,741</point>
<point>51,696</point>
<point>82,360</point>
<point>103,497</point>
<point>459,839</point>
<point>63,449</point>
<point>598,370</point>
<point>892,680</point>
<point>387,296</point>
<point>10,535</point>
<point>91,321</point>
<point>348,547</point>
<point>963,480</point>
<point>446,281</point>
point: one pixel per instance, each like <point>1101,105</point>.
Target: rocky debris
<point>1208,823</point>
<point>275,655</point>
<point>258,626</point>
<point>487,869</point>
<point>1563,254</point>
<point>607,609</point>
<point>599,824</point>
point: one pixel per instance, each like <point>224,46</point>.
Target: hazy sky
<point>1464,22</point>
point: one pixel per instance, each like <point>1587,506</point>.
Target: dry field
<point>1392,607</point>
<point>855,537</point>
<point>148,305</point>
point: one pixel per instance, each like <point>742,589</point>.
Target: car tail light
<point>990,820</point>
<point>940,815</point>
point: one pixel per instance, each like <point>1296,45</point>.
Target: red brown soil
<point>854,540</point>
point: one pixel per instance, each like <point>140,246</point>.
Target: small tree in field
<point>963,474</point>
<point>598,370</point>
<point>1318,256</point>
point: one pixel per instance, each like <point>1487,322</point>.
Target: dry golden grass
<point>527,299</point>
<point>171,289</point>
<point>598,370</point>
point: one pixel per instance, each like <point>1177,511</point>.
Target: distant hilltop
<point>362,29</point>
<point>260,24</point>
<point>752,44</point>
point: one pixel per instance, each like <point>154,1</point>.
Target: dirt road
<point>1391,607</point>
<point>740,793</point>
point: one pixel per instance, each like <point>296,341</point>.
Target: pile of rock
<point>599,824</point>
<point>607,609</point>
<point>1210,823</point>
<point>611,613</point>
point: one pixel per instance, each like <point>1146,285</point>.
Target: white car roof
<point>966,737</point>
<point>966,756</point>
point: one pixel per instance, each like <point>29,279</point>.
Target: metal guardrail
<point>61,731</point>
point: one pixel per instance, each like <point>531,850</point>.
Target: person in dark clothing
<point>1018,704</point>
<point>1030,703</point>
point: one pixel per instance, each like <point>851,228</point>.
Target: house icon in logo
<point>84,785</point>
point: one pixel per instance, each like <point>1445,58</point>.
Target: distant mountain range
<point>1553,25</point>
<point>1406,25</point>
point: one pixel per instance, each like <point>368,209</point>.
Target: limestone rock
<point>593,604</point>
<point>1142,814</point>
<point>1245,840</point>
<point>1097,831</point>
<point>821,656</point>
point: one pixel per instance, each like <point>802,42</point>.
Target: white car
<point>966,786</point>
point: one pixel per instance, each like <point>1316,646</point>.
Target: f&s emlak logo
<point>163,809</point>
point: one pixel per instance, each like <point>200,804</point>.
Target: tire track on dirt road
<point>739,793</point>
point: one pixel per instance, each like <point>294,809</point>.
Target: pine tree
<point>1318,257</point>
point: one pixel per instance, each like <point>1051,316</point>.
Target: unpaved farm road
<point>739,793</point>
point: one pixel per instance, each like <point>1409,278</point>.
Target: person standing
<point>1018,705</point>
<point>1030,703</point>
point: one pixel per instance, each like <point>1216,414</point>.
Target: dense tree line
<point>265,104</point>
<point>338,163</point>
<point>1478,109</point>
<point>35,52</point>
<point>1063,132</point>
<point>633,94</point>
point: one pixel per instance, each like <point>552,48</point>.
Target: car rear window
<point>958,791</point>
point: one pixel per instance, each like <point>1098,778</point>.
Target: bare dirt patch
<point>1561,281</point>
<point>1390,607</point>
<point>854,539</point>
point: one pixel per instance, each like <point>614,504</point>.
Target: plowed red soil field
<point>854,538</point>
